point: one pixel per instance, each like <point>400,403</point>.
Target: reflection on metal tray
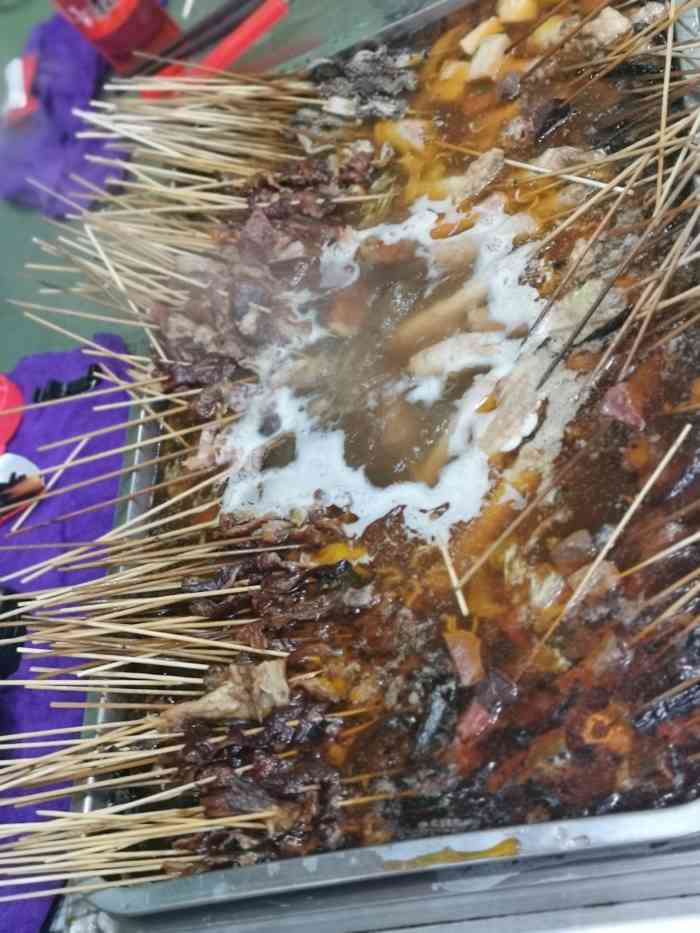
<point>319,29</point>
<point>583,850</point>
<point>608,893</point>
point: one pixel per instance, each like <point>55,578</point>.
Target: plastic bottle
<point>118,28</point>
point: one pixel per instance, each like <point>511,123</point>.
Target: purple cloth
<point>28,710</point>
<point>69,74</point>
<point>44,147</point>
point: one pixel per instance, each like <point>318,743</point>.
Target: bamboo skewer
<point>126,448</point>
<point>624,265</point>
<point>80,888</point>
<point>93,393</point>
<point>672,263</point>
<point>122,471</point>
<point>51,483</point>
<point>129,358</point>
<point>607,547</point>
<point>664,112</point>
<point>152,398</point>
<point>571,272</point>
<point>175,208</point>
<point>109,429</point>
<point>127,497</point>
<point>70,312</point>
<point>454,581</point>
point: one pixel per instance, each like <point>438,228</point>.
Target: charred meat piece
<point>681,704</point>
<point>303,194</point>
<point>439,711</point>
<point>318,528</point>
<point>209,369</point>
<point>373,83</point>
<point>236,795</point>
<point>301,721</point>
<point>232,794</point>
<point>292,777</point>
<point>310,596</point>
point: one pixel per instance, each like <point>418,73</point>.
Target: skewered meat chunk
<point>455,254</point>
<point>519,401</point>
<point>349,311</point>
<point>605,577</point>
<point>249,692</point>
<point>566,313</point>
<point>455,354</point>
<point>561,157</point>
<point>375,252</point>
<point>646,14</point>
<point>438,320</point>
<point>241,796</point>
<point>517,11</point>
<point>488,58</point>
<point>574,551</point>
<point>465,650</point>
<point>552,32</point>
<point>621,404</point>
<point>400,429</point>
<point>480,173</point>
<point>607,28</point>
<point>490,27</point>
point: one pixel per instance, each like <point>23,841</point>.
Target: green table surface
<point>18,226</point>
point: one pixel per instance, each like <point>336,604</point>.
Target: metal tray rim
<point>584,837</point>
<point>577,839</point>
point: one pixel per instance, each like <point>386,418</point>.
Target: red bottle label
<point>118,28</point>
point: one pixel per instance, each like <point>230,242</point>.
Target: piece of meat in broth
<point>250,691</point>
<point>439,320</point>
<point>519,401</point>
<point>481,173</point>
<point>459,353</point>
<point>608,28</point>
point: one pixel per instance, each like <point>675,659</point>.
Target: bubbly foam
<point>319,472</point>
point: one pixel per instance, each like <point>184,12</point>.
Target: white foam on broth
<point>319,472</point>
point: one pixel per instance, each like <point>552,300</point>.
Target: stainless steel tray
<point>469,855</point>
<point>572,841</point>
<point>569,841</point>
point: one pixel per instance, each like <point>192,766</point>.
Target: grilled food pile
<point>439,364</point>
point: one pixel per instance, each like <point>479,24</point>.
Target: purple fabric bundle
<point>28,710</point>
<point>44,147</point>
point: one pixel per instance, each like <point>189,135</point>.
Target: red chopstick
<point>241,39</point>
<point>231,48</point>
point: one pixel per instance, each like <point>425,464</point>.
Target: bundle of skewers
<point>272,685</point>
